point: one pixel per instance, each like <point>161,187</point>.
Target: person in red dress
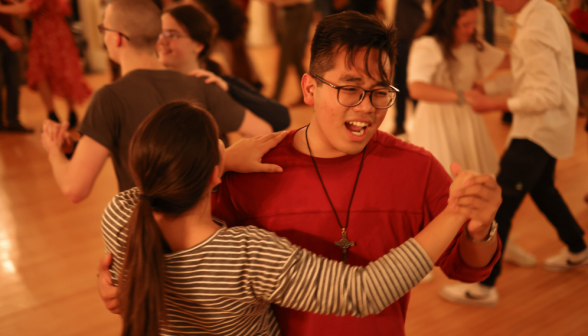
<point>54,64</point>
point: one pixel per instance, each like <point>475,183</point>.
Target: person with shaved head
<point>131,29</point>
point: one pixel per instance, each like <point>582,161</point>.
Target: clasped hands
<point>55,137</point>
<point>474,197</point>
<point>479,101</point>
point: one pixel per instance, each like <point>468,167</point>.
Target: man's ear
<point>308,85</point>
<point>215,178</point>
<point>119,40</point>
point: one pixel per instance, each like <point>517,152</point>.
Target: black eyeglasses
<point>353,95</point>
<point>168,35</point>
<point>102,29</point>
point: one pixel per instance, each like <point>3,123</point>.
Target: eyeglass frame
<point>102,29</point>
<point>167,38</point>
<point>338,88</point>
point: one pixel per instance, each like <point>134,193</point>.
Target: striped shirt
<point>225,284</point>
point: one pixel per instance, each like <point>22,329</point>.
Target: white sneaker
<point>474,294</point>
<point>565,260</point>
<point>514,254</point>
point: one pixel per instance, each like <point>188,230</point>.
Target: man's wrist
<point>482,236</point>
<point>56,154</point>
<point>228,162</point>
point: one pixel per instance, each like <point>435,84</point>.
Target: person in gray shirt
<point>131,29</point>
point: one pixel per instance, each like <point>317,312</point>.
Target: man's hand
<point>211,78</point>
<point>478,86</point>
<point>245,156</point>
<point>108,292</point>
<point>482,103</point>
<point>14,43</point>
<point>478,198</point>
<point>56,138</point>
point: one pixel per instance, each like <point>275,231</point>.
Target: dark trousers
<point>293,28</point>
<point>10,68</point>
<point>528,168</point>
<point>400,74</point>
<point>488,21</point>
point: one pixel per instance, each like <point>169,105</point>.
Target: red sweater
<point>401,188</point>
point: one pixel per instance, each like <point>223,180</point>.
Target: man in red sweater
<point>383,189</point>
<point>347,191</point>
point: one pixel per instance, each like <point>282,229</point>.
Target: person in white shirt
<point>544,103</point>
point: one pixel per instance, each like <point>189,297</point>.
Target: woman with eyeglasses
<point>181,271</point>
<point>53,62</point>
<point>444,65</point>
<point>184,46</point>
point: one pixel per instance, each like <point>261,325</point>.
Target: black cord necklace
<point>344,243</point>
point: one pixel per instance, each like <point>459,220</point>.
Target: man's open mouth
<point>357,127</point>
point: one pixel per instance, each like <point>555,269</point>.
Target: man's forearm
<point>439,233</point>
<point>16,9</point>
<point>477,255</point>
<point>501,105</point>
<point>59,165</point>
<point>578,43</point>
<point>4,34</point>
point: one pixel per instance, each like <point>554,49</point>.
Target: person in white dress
<point>444,65</point>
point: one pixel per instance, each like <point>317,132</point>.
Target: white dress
<point>453,133</point>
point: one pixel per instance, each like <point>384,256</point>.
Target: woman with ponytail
<point>184,46</point>
<point>182,271</point>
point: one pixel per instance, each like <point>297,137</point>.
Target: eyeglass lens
<point>351,96</point>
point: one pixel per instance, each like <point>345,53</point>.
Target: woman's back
<point>225,284</point>
<point>220,279</point>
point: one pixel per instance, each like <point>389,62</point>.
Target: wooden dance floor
<point>49,248</point>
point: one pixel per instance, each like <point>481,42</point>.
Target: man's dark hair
<point>140,20</point>
<point>352,32</point>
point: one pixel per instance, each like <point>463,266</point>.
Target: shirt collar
<point>526,11</point>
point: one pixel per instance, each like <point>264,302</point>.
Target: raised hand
<point>245,156</point>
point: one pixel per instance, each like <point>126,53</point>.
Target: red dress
<point>53,55</point>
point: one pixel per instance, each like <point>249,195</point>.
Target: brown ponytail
<point>143,300</point>
<point>172,156</point>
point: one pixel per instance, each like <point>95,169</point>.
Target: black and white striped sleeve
<point>316,284</point>
<point>114,221</point>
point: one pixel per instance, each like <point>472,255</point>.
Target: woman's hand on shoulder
<point>210,78</point>
<point>245,156</point>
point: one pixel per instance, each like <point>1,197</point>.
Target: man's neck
<point>317,141</point>
<point>187,67</point>
<point>136,60</point>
